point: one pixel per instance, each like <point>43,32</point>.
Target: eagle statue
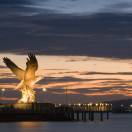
<point>27,77</point>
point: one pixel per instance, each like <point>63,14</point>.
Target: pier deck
<point>52,112</point>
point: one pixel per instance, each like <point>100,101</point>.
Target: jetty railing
<point>54,112</point>
<point>87,112</point>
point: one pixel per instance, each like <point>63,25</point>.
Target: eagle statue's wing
<point>14,68</point>
<point>32,66</point>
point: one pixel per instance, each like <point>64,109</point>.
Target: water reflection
<point>117,122</point>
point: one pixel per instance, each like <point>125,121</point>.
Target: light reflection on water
<point>118,122</point>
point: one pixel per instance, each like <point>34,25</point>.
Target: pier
<point>54,112</point>
<point>87,112</point>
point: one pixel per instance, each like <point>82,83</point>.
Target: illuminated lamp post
<point>44,90</point>
<point>2,91</point>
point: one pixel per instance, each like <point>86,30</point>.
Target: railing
<point>56,112</point>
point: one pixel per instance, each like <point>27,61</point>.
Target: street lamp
<point>44,90</point>
<point>2,91</point>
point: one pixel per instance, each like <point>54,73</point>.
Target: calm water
<point>117,123</point>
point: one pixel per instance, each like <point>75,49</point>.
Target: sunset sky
<point>82,45</point>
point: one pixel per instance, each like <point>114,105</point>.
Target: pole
<point>107,115</point>
<point>66,97</point>
<point>101,116</point>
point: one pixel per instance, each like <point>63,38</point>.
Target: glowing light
<point>90,104</point>
<point>28,95</point>
<point>106,104</point>
<point>131,105</point>
<point>96,104</point>
<point>44,89</point>
<point>3,90</point>
<point>122,105</point>
<point>79,104</point>
<point>59,104</point>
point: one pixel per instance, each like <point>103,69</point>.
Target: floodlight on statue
<point>27,77</point>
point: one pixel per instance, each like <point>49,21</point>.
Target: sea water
<point>116,123</point>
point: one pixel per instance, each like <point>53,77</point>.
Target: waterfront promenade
<point>54,112</point>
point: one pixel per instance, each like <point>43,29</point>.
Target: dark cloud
<point>48,80</point>
<point>119,7</point>
<point>7,75</point>
<point>122,5</point>
<point>104,35</point>
<point>62,79</point>
<point>55,69</point>
<point>84,91</point>
<point>13,2</point>
<point>76,98</point>
<point>106,73</point>
<point>8,80</point>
